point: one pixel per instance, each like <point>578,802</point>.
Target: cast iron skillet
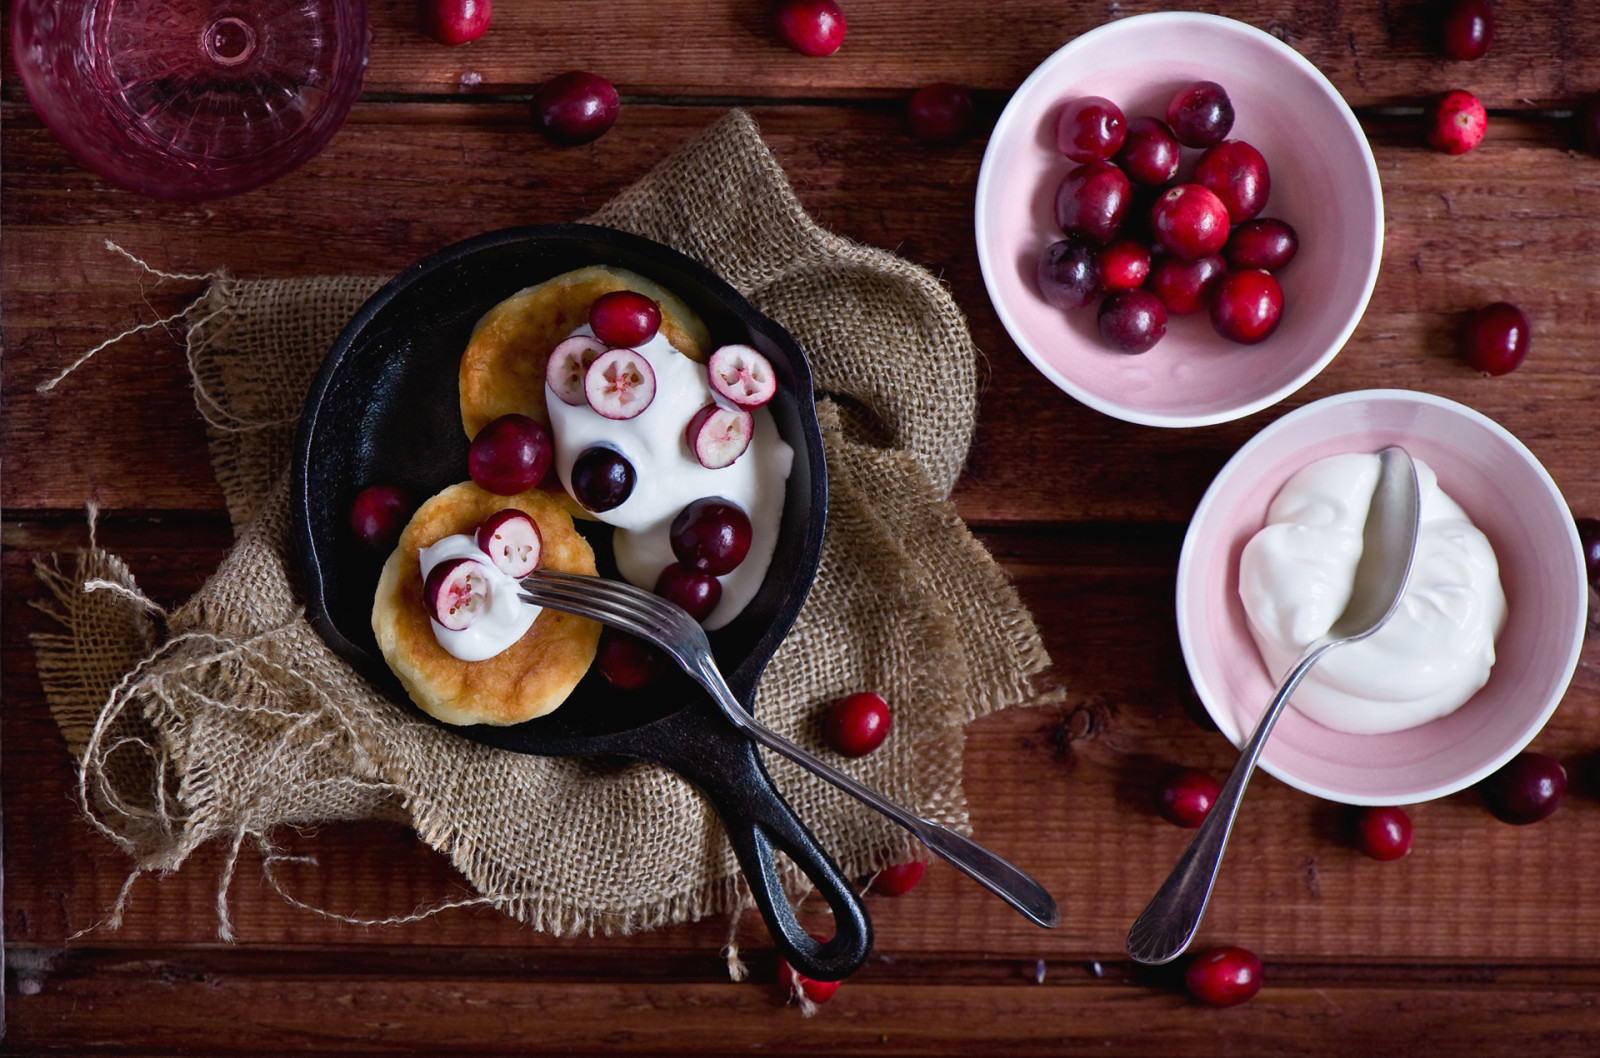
<point>384,409</point>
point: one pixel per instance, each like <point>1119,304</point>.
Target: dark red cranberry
<point>1589,125</point>
<point>1496,338</point>
<point>1526,790</point>
<point>940,113</point>
<point>1237,174</point>
<point>602,478</point>
<point>1124,265</point>
<point>698,593</point>
<point>711,535</point>
<point>1090,128</point>
<point>624,318</point>
<point>627,662</point>
<point>510,455</point>
<point>1186,286</point>
<point>575,107</point>
<point>857,724</point>
<point>1384,833</point>
<point>1247,306</point>
<point>1092,200</point>
<point>1223,977</point>
<point>899,879</point>
<point>1190,221</point>
<point>1589,540</point>
<point>1150,152</point>
<point>455,21</point>
<point>1068,274</point>
<point>378,514</point>
<point>1456,122</point>
<point>1187,797</point>
<point>1467,29</point>
<point>1132,320</point>
<point>811,27</point>
<point>1263,243</point>
<point>1200,114</point>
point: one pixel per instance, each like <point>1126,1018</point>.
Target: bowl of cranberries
<point>1178,219</point>
<point>1504,492</point>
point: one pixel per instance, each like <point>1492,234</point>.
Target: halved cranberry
<point>1247,306</point>
<point>1236,173</point>
<point>1092,199</point>
<point>1090,127</point>
<point>1190,221</point>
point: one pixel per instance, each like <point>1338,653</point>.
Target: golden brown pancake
<point>502,371</point>
<point>529,678</point>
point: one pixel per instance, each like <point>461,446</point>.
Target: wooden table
<point>1485,940</point>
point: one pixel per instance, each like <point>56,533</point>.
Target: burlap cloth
<point>229,718</point>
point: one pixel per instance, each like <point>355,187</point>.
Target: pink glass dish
<point>1324,183</point>
<point>1507,494</point>
<point>191,99</point>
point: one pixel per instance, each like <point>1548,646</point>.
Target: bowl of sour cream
<point>1487,636</point>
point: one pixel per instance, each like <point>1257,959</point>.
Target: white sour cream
<point>502,621</point>
<point>668,477</point>
<point>1296,575</point>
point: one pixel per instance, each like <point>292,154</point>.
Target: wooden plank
<point>1512,220</point>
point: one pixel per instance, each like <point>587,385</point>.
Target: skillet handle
<point>723,764</point>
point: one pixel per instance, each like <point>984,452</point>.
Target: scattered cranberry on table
<point>1090,128</point>
<point>575,107</point>
<point>1247,306</point>
<point>378,514</point>
<point>857,724</point>
<point>1589,540</point>
<point>940,113</point>
<point>1467,29</point>
<point>1187,797</point>
<point>1456,122</point>
<point>1384,833</point>
<point>1529,788</point>
<point>811,27</point>
<point>899,879</point>
<point>1589,125</point>
<point>455,21</point>
<point>1223,977</point>
<point>510,455</point>
<point>1495,339</point>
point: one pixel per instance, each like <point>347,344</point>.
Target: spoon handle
<point>1168,923</point>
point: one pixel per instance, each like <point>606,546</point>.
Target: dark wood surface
<point>1486,940</point>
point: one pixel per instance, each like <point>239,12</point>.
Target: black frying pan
<point>384,409</point>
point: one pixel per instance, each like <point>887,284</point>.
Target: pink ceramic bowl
<point>1506,493</point>
<point>1324,183</point>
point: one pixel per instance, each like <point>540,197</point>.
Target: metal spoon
<point>1388,542</point>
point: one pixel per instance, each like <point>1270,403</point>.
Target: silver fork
<point>669,627</point>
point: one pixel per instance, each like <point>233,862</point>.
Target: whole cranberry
<point>378,514</point>
<point>575,107</point>
<point>1186,286</point>
<point>627,662</point>
<point>1456,122</point>
<point>1237,174</point>
<point>1223,977</point>
<point>1589,125</point>
<point>857,724</point>
<point>1200,114</point>
<point>1495,339</point>
<point>1150,152</point>
<point>1384,833</point>
<point>1262,243</point>
<point>811,27</point>
<point>1247,306</point>
<point>1092,200</point>
<point>455,21</point>
<point>1526,790</point>
<point>698,593</point>
<point>794,982</point>
<point>1467,29</point>
<point>1190,221</point>
<point>1187,797</point>
<point>1068,274</point>
<point>1124,265</point>
<point>1090,127</point>
<point>1589,540</point>
<point>940,113</point>
<point>899,879</point>
<point>510,455</point>
<point>1132,320</point>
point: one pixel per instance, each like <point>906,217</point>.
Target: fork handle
<point>986,868</point>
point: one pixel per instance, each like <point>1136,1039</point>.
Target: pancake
<point>502,370</point>
<point>529,678</point>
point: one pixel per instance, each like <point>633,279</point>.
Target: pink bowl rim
<point>1013,113</point>
<point>1189,555</point>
